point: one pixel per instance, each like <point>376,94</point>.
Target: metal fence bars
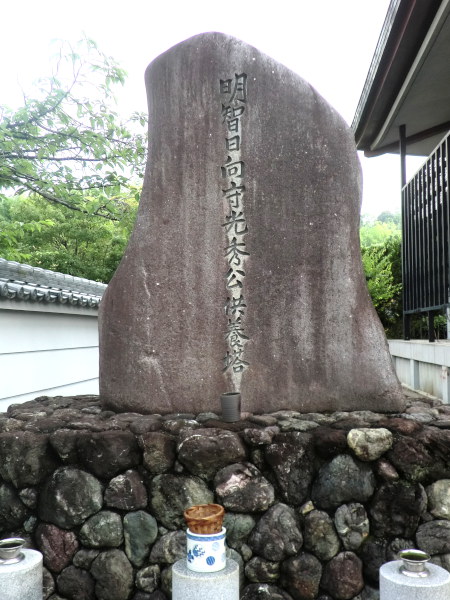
<point>425,249</point>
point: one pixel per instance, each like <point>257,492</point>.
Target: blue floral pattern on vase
<point>196,552</point>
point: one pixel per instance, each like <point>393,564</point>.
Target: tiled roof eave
<point>28,292</point>
<point>24,283</point>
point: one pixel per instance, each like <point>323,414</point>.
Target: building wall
<point>423,366</point>
<point>46,350</point>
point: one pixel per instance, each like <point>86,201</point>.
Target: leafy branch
<point>64,142</point>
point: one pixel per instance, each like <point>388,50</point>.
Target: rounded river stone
<point>108,453</point>
<point>369,444</point>
<point>238,528</point>
<point>76,584</point>
<point>396,509</point>
<point>352,525</point>
<point>103,529</point>
<point>140,531</point>
<point>158,451</point>
<point>261,570</point>
<point>126,492</point>
<point>301,575</point>
<point>57,546</point>
<point>26,458</point>
<point>242,488</point>
<point>204,451</point>
<point>113,575</point>
<point>439,499</point>
<point>342,576</point>
<point>277,534</point>
<point>169,548</point>
<point>343,479</point>
<point>171,494</point>
<point>290,458</point>
<point>69,497</point>
<point>319,536</point>
<point>148,579</point>
<point>264,591</point>
<point>12,512</point>
<point>434,537</point>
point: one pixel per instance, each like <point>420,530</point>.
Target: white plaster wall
<point>430,379</point>
<point>402,369</point>
<point>46,350</point>
<point>422,350</point>
<point>423,366</point>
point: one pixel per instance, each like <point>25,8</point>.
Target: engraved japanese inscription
<point>233,93</point>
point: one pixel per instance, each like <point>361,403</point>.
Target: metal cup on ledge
<point>414,562</point>
<point>231,406</point>
<point>10,550</point>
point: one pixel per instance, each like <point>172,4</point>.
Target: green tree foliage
<point>388,217</point>
<point>377,232</point>
<point>67,145</point>
<point>382,267</point>
<point>46,235</point>
<point>381,257</point>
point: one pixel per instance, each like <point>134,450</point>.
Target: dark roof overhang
<point>408,81</point>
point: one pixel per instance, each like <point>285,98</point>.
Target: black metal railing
<point>425,250</point>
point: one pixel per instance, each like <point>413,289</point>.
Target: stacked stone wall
<point>315,503</point>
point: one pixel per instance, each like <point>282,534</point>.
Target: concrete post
<point>22,580</point>
<point>396,585</point>
<point>445,385</point>
<point>414,374</point>
<point>191,585</point>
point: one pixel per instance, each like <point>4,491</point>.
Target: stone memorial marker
<point>243,272</point>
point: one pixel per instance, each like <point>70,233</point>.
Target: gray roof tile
<point>33,284</point>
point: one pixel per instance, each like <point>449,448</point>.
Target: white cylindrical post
<point>20,571</point>
<point>191,585</point>
<point>413,578</point>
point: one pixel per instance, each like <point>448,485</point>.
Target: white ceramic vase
<point>206,552</point>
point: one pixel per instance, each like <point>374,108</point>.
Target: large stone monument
<point>243,271</point>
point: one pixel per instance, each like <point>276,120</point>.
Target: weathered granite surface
<point>111,527</point>
<point>243,271</point>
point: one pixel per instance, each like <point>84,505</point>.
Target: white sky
<point>329,43</point>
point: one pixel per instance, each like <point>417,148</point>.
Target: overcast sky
<point>329,43</point>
